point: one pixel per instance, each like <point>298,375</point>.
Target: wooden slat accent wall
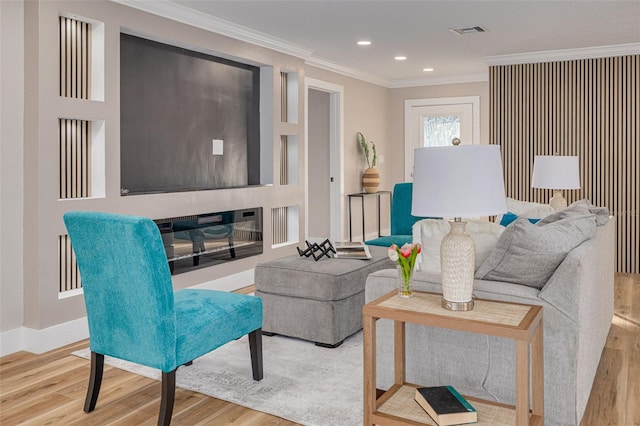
<point>68,273</point>
<point>74,158</point>
<point>589,108</point>
<point>75,58</point>
<point>279,225</point>
<point>284,160</point>
<point>284,97</point>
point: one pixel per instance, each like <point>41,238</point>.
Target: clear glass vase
<point>405,283</point>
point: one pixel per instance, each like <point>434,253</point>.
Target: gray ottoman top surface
<point>325,279</point>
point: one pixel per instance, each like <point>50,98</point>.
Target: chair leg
<point>255,346</point>
<point>95,380</point>
<point>168,397</point>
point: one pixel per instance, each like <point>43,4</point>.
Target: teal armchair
<point>401,218</point>
<point>135,315</point>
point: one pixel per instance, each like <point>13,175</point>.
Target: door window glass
<point>439,130</point>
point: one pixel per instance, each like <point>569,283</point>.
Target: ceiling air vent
<point>469,30</point>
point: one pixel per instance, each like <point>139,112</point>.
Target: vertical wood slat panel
<point>284,97</point>
<point>589,108</point>
<point>68,272</point>
<point>284,160</point>
<point>74,158</point>
<point>75,58</point>
<point>279,225</point>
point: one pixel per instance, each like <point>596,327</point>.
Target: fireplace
<point>209,239</point>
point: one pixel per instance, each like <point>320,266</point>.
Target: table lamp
<point>556,172</point>
<point>456,182</point>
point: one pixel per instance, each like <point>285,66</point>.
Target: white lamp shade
<point>556,172</point>
<point>458,181</point>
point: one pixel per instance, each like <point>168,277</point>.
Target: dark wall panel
<point>173,103</point>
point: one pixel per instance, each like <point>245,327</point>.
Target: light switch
<point>381,159</point>
<point>217,145</point>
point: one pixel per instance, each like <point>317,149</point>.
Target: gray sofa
<point>578,309</point>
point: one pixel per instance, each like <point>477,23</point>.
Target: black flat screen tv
<point>173,103</point>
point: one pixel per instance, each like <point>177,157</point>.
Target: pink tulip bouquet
<point>405,256</point>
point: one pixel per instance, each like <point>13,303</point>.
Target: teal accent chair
<point>401,218</point>
<point>135,315</point>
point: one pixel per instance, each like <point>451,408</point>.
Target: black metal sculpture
<point>318,251</point>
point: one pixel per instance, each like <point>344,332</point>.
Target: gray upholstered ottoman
<point>319,301</point>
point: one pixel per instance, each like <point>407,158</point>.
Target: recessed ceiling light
<point>400,58</point>
<point>427,69</point>
<point>364,43</point>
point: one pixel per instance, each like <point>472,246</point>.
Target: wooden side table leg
<point>522,382</point>
<point>398,352</point>
<point>363,227</point>
<point>537,368</point>
<point>369,373</point>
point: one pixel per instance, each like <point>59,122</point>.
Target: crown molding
<point>179,13</point>
<point>565,54</point>
<point>349,72</point>
<point>457,79</point>
<point>185,15</point>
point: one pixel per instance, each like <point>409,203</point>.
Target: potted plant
<point>370,177</point>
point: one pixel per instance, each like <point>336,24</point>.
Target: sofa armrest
<point>582,289</point>
<point>585,275</point>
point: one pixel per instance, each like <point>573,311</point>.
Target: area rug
<point>302,382</point>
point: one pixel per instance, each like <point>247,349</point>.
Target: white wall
<point>11,164</point>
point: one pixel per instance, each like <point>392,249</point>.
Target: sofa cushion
<point>528,254</point>
<point>430,232</point>
<point>526,209</point>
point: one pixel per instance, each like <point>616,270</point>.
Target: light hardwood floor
<point>50,388</point>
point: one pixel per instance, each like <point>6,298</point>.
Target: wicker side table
<point>522,323</point>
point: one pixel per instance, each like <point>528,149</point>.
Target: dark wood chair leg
<point>168,397</point>
<point>95,380</point>
<point>255,346</point>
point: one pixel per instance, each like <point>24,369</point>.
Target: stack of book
<point>352,250</point>
<point>445,405</point>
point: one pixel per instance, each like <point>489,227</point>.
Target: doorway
<point>435,122</point>
<point>324,186</point>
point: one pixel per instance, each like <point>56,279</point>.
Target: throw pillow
<point>529,254</point>
<point>509,217</point>
<point>526,209</point>
<point>580,207</point>
<point>430,232</point>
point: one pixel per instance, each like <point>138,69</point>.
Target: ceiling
<point>325,33</point>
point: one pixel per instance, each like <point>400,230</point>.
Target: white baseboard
<point>11,341</point>
<point>40,341</point>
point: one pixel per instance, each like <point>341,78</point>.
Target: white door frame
<point>336,155</point>
<point>409,104</point>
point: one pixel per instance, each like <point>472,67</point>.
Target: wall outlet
<point>217,147</point>
<point>381,159</point>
